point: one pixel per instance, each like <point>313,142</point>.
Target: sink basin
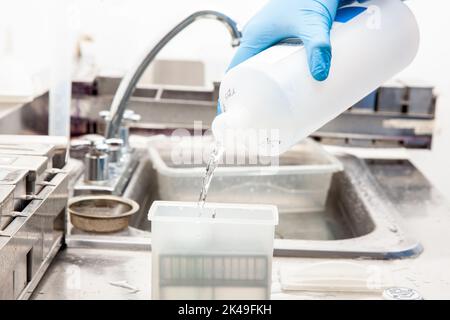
<point>358,219</point>
<point>297,181</point>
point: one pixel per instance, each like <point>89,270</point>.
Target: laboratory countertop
<point>88,273</point>
<point>79,273</point>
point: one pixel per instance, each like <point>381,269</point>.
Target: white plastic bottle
<point>273,94</point>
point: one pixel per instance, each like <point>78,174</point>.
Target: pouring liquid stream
<point>213,162</point>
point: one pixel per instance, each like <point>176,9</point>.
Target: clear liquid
<point>210,167</point>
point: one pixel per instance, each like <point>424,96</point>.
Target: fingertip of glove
<point>320,63</point>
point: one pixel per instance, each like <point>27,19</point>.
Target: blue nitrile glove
<point>309,20</point>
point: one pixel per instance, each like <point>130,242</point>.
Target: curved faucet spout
<point>129,82</point>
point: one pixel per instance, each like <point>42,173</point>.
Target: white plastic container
<point>225,253</point>
<point>275,92</point>
<point>300,182</point>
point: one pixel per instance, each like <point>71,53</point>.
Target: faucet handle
<point>100,147</point>
<point>114,141</point>
<point>80,144</point>
<point>95,144</point>
<point>105,115</point>
<point>86,143</point>
<point>130,116</point>
<point>128,113</point>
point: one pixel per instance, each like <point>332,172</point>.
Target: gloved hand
<point>309,20</point>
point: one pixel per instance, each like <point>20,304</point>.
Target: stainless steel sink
<point>359,221</point>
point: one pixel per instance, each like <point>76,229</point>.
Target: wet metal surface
<point>97,274</point>
<point>82,273</point>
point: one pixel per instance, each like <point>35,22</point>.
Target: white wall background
<point>121,29</point>
<point>433,66</point>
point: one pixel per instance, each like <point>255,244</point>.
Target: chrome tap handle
<point>104,114</point>
<point>130,117</point>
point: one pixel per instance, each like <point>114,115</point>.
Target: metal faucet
<point>129,82</point>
